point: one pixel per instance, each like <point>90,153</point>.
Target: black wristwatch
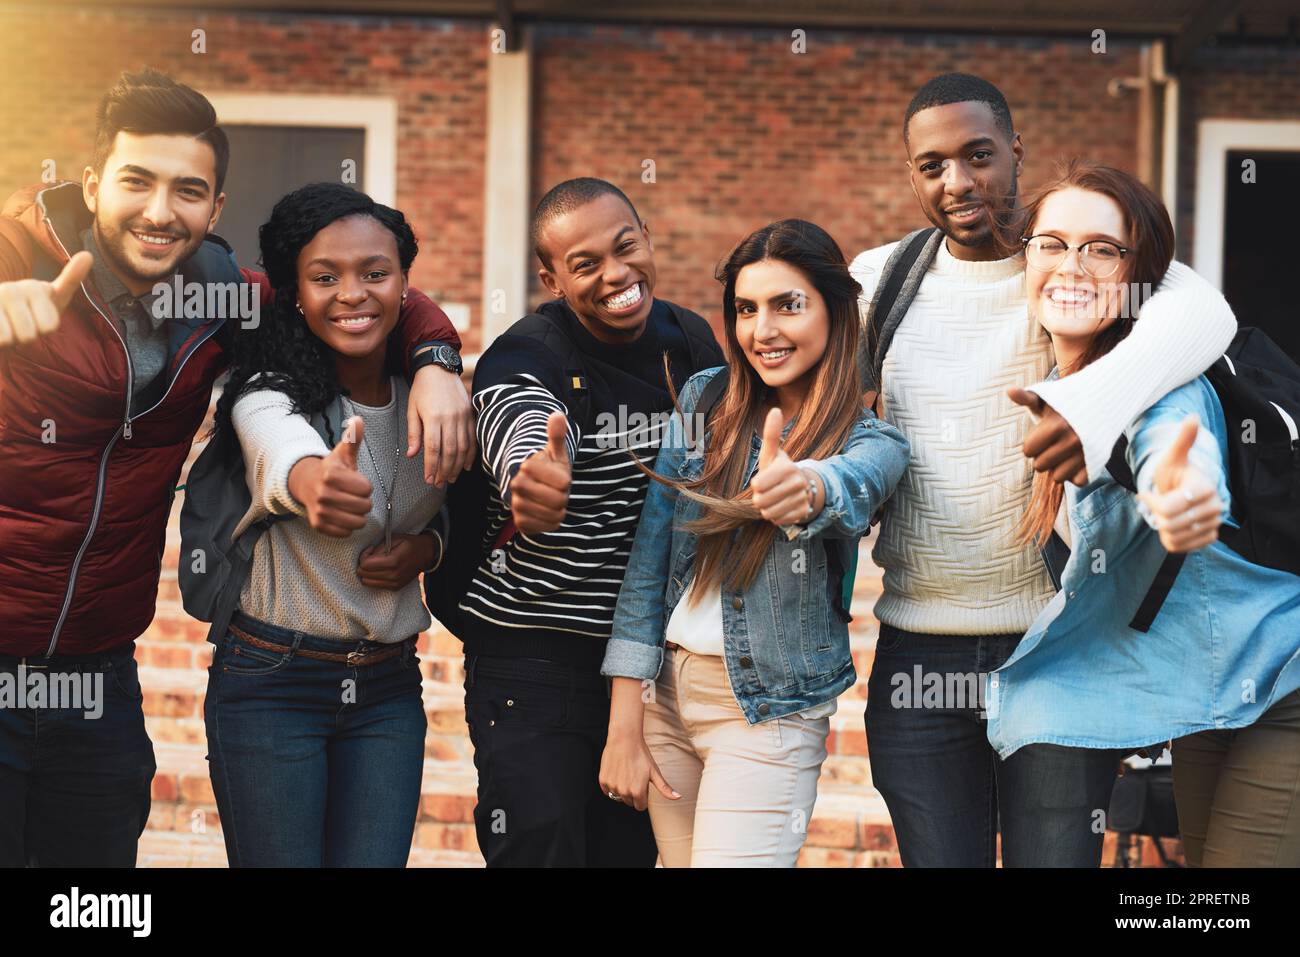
<point>439,354</point>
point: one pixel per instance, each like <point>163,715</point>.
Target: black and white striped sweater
<point>552,595</point>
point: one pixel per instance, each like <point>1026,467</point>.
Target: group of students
<point>646,543</point>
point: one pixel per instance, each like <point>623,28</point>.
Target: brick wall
<point>57,66</point>
<point>742,131</point>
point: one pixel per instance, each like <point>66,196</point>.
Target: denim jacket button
<point>764,708</point>
<point>746,661</point>
<point>737,603</point>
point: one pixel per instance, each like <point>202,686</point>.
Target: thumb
<point>1175,459</point>
<point>1031,401</point>
<point>771,438</point>
<point>65,285</point>
<point>557,427</point>
<point>657,779</point>
<point>354,430</point>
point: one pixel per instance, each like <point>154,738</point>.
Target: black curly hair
<point>282,351</point>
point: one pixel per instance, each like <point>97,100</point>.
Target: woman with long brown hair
<point>735,580</point>
<point>1217,669</point>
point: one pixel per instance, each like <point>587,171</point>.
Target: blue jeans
<point>75,768</point>
<point>314,763</point>
<point>946,790</point>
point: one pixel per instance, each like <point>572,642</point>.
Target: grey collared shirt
<point>144,333</point>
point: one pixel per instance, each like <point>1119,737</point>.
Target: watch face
<point>447,356</point>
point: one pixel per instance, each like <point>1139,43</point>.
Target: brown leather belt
<point>354,658</point>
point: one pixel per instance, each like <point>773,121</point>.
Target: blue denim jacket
<point>784,647</point>
<point>1224,647</point>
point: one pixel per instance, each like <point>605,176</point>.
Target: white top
<point>699,628</point>
<point>947,539</point>
<point>699,631</point>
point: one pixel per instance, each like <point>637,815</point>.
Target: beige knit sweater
<point>307,581</point>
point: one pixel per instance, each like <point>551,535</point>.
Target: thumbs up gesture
<point>335,494</point>
<point>781,490</point>
<point>1185,506</point>
<point>31,308</point>
<point>539,491</point>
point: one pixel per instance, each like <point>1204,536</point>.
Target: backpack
<point>213,565</point>
<point>842,598</point>
<point>1258,386</point>
<point>900,279</point>
<point>468,505</point>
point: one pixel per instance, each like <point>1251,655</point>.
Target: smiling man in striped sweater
<point>561,398</point>
<point>959,592</point>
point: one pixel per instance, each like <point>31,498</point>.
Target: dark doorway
<point>1258,263</point>
<point>268,161</point>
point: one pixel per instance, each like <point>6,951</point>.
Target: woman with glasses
<point>1217,671</point>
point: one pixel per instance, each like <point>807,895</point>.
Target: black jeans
<point>538,729</point>
<point>75,767</point>
<point>945,787</point>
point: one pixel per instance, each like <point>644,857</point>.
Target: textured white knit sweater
<point>947,539</point>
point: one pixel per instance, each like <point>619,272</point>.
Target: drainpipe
<point>1157,144</point>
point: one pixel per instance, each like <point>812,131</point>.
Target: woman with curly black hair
<point>314,716</point>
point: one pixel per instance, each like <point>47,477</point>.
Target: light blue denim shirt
<point>1223,648</point>
<point>784,646</point>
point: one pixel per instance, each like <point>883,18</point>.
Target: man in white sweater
<point>958,591</point>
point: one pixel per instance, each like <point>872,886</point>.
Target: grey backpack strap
<point>241,563</point>
<point>899,280</point>
<point>241,554</point>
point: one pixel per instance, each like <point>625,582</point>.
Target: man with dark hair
<point>562,397</point>
<point>949,331</point>
<point>101,390</point>
<point>564,199</point>
<point>950,88</point>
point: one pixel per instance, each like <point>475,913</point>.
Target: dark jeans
<point>945,788</point>
<point>1238,791</point>
<point>75,769</point>
<point>314,763</point>
<point>538,729</point>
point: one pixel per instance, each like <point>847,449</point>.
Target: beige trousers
<point>747,791</point>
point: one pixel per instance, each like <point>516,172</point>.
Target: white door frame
<point>1214,139</point>
<point>377,115</point>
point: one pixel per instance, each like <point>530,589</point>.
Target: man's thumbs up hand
<point>1051,445</point>
<point>335,494</point>
<point>780,488</point>
<point>539,491</point>
<point>1184,505</point>
<point>30,308</point>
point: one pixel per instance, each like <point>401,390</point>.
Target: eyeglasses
<point>1099,258</point>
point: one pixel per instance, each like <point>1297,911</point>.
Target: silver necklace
<point>397,459</point>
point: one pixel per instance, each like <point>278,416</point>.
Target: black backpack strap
<point>701,343</point>
<point>1163,583</point>
<point>712,394</point>
<point>1155,597</point>
<point>1117,465</point>
<point>548,334</point>
<point>900,265</point>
